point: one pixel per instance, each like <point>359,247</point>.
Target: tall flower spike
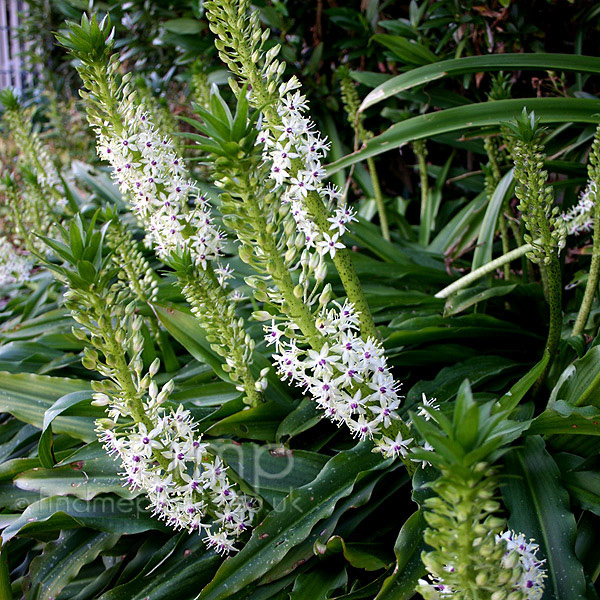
<point>159,449</point>
<point>317,345</point>
<point>473,557</point>
<point>290,141</point>
<point>547,232</point>
<point>176,215</point>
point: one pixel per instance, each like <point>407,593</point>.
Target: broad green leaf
<point>448,380</point>
<point>409,545</point>
<point>83,478</point>
<point>565,418</point>
<point>462,230</point>
<point>317,584</point>
<point>479,64</point>
<point>360,555</point>
<point>62,560</point>
<point>109,513</point>
<point>340,520</point>
<point>579,384</point>
<point>464,299</point>
<point>273,472</point>
<point>306,415</point>
<point>485,240</point>
<point>257,423</point>
<point>408,51</point>
<point>292,522</point>
<point>184,26</point>
<point>417,330</point>
<point>582,484</point>
<point>63,404</point>
<point>28,397</point>
<point>185,328</point>
<point>180,577</point>
<point>511,399</point>
<point>549,110</point>
<point>539,508</point>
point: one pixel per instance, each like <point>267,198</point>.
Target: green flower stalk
<point>473,557</point>
<point>316,342</point>
<point>351,103</point>
<point>420,150</point>
<point>177,217</point>
<point>590,197</point>
<point>546,229</point>
<point>132,267</point>
<point>157,445</point>
<point>291,145</point>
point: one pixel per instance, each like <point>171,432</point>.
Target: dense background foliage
<point>338,522</point>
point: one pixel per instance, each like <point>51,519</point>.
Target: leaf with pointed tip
<point>62,560</point>
<point>549,110</point>
<point>110,514</point>
<point>539,507</point>
<point>291,522</point>
<point>479,64</point>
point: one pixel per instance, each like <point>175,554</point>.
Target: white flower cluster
<point>530,584</point>
<point>148,169</point>
<point>348,377</point>
<point>580,217</point>
<point>295,151</point>
<point>14,268</point>
<point>193,483</point>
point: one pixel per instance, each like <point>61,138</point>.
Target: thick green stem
<point>591,287</point>
<point>294,307</point>
<point>486,269</point>
<point>420,149</point>
<point>266,102</point>
<point>383,222</point>
<point>555,304</point>
<point>345,269</point>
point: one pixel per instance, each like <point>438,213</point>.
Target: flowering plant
<point>237,363</point>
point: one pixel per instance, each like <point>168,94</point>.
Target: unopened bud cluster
<point>472,557</point>
<point>542,220</point>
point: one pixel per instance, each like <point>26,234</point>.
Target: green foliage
<point>336,521</point>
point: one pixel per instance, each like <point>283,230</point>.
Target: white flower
<point>330,244</point>
<point>391,448</point>
<point>14,267</point>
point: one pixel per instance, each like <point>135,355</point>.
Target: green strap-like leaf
<point>292,522</point>
<point>63,404</point>
<point>479,64</point>
<point>27,397</point>
<point>485,240</point>
<point>539,508</point>
<point>110,514</point>
<point>61,561</point>
<point>400,585</point>
<point>549,110</point>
